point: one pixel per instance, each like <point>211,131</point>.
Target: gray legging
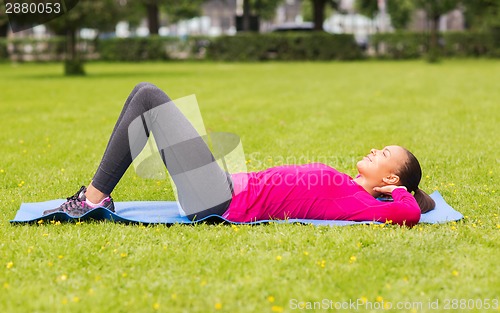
<point>203,187</point>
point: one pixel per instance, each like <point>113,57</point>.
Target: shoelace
<point>74,201</point>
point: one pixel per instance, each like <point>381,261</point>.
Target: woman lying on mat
<point>309,191</point>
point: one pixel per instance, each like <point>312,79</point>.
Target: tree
<point>399,11</point>
<point>434,9</point>
<point>482,14</point>
<point>84,15</point>
<point>182,10</point>
<point>319,7</point>
<point>153,15</point>
<point>175,9</point>
<point>4,21</point>
<point>264,9</point>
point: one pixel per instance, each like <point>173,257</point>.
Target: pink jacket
<point>313,191</point>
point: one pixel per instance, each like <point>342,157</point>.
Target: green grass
<point>54,130</point>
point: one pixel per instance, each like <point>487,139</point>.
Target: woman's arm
<point>404,210</point>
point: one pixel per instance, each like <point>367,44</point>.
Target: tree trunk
<point>246,16</point>
<point>73,64</point>
<point>71,45</point>
<point>3,30</point>
<point>434,40</point>
<point>318,14</point>
<point>153,18</point>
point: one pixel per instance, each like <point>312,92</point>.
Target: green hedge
<point>284,46</point>
<point>399,45</point>
<point>257,47</point>
<point>470,44</point>
<point>407,45</point>
<point>133,49</point>
<point>30,49</point>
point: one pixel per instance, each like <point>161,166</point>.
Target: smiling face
<point>380,167</point>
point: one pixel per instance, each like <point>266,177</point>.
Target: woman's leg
<point>203,187</point>
<point>92,193</point>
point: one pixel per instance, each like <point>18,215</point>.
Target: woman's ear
<point>391,179</point>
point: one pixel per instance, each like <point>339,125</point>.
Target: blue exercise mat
<point>167,212</point>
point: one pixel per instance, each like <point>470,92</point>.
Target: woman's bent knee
<point>142,85</point>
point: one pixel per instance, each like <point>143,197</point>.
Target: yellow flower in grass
<point>218,306</point>
<point>156,306</point>
<point>123,254</point>
<point>276,308</point>
<point>352,259</point>
<point>60,256</point>
<point>76,299</point>
<point>363,299</point>
<point>379,299</point>
<point>63,277</point>
<point>270,299</point>
<point>278,258</point>
<point>454,273</point>
<point>10,265</point>
<point>40,222</point>
<point>6,285</point>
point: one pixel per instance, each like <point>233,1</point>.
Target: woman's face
<point>381,166</point>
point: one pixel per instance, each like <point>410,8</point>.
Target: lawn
<point>54,130</point>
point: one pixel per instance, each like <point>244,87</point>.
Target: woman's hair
<point>410,174</point>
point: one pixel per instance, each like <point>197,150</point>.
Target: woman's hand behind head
<point>388,189</point>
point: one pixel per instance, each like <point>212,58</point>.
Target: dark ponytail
<point>410,174</point>
<point>424,201</point>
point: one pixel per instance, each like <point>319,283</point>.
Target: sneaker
<point>76,206</point>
